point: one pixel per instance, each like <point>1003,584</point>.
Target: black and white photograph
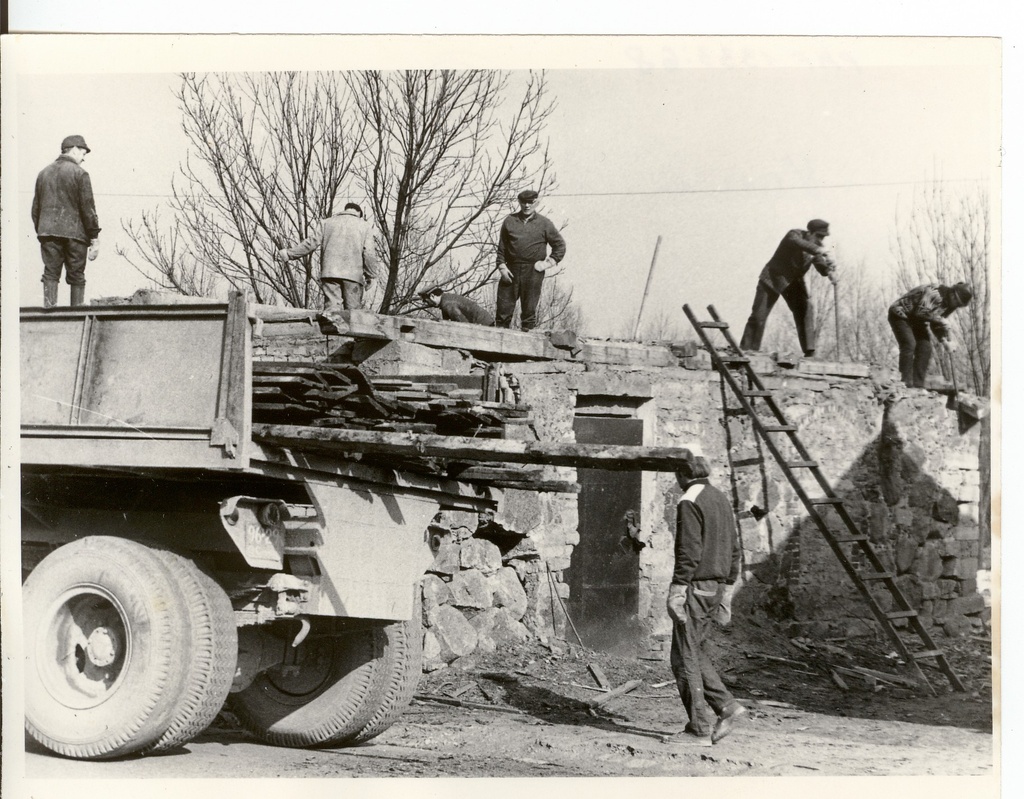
<point>401,407</point>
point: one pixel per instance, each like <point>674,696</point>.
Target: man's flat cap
<point>528,196</point>
<point>74,141</point>
<point>432,290</point>
<point>818,225</point>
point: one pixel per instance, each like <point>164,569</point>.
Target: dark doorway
<point>604,574</point>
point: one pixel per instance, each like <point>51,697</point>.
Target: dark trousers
<point>524,287</point>
<point>68,255</point>
<point>799,302</point>
<point>342,294</point>
<point>915,343</point>
<point>696,678</point>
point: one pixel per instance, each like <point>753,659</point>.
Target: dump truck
<point>172,563</point>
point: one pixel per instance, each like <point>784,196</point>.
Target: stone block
<point>558,564</point>
<point>477,553</point>
<point>966,532</point>
<point>470,589</point>
<point>456,519</point>
<point>906,552</point>
<point>948,588</point>
<point>456,637</point>
<point>956,626</point>
<point>950,566</point>
<point>877,522</point>
<point>969,513</point>
<point>903,517</point>
<point>967,569</point>
<point>431,647</point>
<point>968,586</point>
<point>922,494</point>
<point>927,608</point>
<point>921,528</point>
<point>968,493</point>
<point>967,605</point>
<point>446,562</point>
<point>507,592</point>
<point>495,627</point>
<point>396,358</point>
<point>946,509</point>
<point>931,562</point>
<point>435,592</point>
<point>940,610</point>
<point>912,589</point>
<point>929,589</point>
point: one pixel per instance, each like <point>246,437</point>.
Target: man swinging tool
<point>917,315</point>
<point>783,276</point>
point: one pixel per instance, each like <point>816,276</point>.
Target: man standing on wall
<point>783,276</point>
<point>348,257</point>
<point>65,220</point>
<point>707,565</point>
<point>522,260</point>
<point>915,317</point>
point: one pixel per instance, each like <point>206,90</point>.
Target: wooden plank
<point>625,688</point>
<point>837,368</point>
<point>462,448</point>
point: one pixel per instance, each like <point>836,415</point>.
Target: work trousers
<point>915,343</point>
<point>64,254</point>
<point>799,302</point>
<point>525,288</point>
<point>696,678</point>
<point>342,294</point>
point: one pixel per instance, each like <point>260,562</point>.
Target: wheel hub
<point>102,647</point>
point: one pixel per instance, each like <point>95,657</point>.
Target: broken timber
<point>463,448</point>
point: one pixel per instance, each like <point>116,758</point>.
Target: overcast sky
<point>719,145</point>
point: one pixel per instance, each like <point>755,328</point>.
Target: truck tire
<point>211,655</point>
<point>342,690</point>
<point>105,628</point>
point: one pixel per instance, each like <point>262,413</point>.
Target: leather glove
<point>94,249</point>
<point>676,604</point>
<point>950,345</point>
<point>723,613</point>
<point>506,274</point>
<point>543,266</point>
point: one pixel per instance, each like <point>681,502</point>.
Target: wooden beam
<point>461,448</point>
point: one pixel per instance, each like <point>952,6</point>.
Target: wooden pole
<point>647,288</point>
<point>835,303</point>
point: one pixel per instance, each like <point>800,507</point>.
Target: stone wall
<point>908,475</point>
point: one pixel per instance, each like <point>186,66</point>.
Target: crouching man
<point>707,564</point>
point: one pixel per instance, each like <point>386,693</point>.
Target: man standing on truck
<point>707,565</point>
<point>783,276</point>
<point>65,221</point>
<point>522,260</point>
<point>348,257</point>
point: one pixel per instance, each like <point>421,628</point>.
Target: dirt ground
<point>527,713</point>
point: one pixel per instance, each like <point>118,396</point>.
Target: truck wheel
<point>105,630</point>
<point>340,690</point>
<point>211,653</point>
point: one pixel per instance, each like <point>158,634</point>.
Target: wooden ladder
<point>875,572</point>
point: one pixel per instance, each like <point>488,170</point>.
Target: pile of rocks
<point>471,602</point>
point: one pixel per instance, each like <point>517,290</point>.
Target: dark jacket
<point>457,308</point>
<point>707,544</point>
<point>63,204</point>
<point>525,241</point>
<point>793,257</point>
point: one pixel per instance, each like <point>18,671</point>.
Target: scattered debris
<point>447,700</point>
<point>625,688</point>
<point>599,676</point>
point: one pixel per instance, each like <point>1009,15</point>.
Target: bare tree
<point>945,239</point>
<point>444,153</point>
<point>269,155</point>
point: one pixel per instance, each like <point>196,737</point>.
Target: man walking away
<point>917,315</point>
<point>707,565</point>
<point>457,308</point>
<point>348,257</point>
<point>65,221</point>
<point>783,276</point>
<point>522,260</point>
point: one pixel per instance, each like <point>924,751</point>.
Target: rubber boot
<point>78,295</point>
<point>50,293</point>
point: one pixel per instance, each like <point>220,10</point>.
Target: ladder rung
<point>779,428</point>
<point>802,464</point>
<point>722,325</point>
<point>901,614</point>
<point>857,539</point>
<point>824,501</point>
<point>747,462</point>
<point>928,653</point>
<point>733,359</point>
<point>756,392</point>
<point>878,576</point>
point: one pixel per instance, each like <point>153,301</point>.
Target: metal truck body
<point>170,559</point>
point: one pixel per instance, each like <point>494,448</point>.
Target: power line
<point>664,192</point>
